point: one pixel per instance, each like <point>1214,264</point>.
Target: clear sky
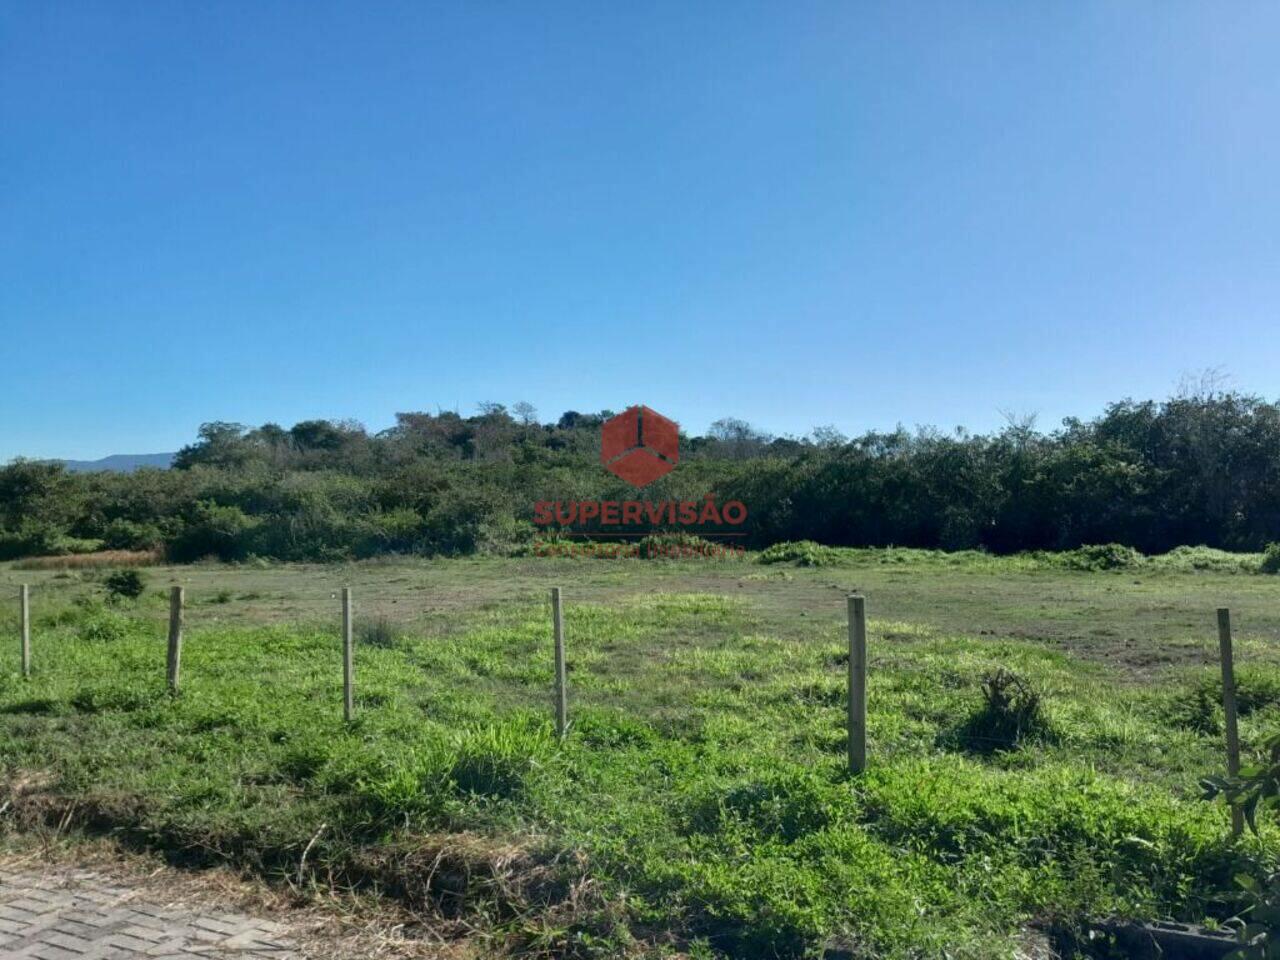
<point>796,213</point>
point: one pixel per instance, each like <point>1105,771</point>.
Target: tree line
<point>1196,469</point>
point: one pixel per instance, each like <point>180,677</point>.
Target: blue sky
<point>795,213</point>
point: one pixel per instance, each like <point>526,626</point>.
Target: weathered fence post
<point>175,638</point>
<point>562,675</point>
<point>1229,708</point>
<point>857,684</point>
<point>24,626</point>
<point>348,658</point>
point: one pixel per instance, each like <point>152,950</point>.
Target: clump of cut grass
<point>804,553</point>
<point>1089,558</point>
<point>1106,556</point>
<point>676,545</point>
<point>1201,558</point>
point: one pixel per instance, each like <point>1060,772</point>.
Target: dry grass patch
<point>93,561</point>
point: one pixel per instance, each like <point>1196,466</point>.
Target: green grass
<point>699,803</point>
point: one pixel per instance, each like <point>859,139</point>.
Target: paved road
<point>80,915</point>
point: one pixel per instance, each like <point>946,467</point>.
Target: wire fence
<point>855,696</point>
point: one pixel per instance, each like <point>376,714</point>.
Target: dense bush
<point>125,585</point>
<point>1144,476</point>
<point>1271,558</point>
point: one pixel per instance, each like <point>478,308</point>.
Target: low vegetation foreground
<point>1037,733</point>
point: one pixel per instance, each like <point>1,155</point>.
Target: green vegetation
<point>1011,714</point>
<point>1271,558</point>
<point>379,631</point>
<point>1256,791</point>
<point>1144,476</point>
<point>125,585</point>
<point>1037,736</point>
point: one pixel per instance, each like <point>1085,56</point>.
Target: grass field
<point>700,804</point>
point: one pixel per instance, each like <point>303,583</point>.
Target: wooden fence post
<point>1229,708</point>
<point>175,638</point>
<point>24,618</point>
<point>562,675</point>
<point>857,684</point>
<point>348,658</point>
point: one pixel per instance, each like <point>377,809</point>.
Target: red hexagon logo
<point>640,445</point>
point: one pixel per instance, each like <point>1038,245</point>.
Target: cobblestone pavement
<point>81,915</point>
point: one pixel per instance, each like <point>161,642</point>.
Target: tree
<point>1201,467</point>
<point>828,436</point>
<point>35,490</point>
<point>219,444</point>
<point>317,435</point>
<point>737,438</point>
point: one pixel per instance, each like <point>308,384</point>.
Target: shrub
<point>122,534</point>
<point>505,536</point>
<point>1011,713</point>
<point>379,631</point>
<point>125,585</point>
<point>1260,938</point>
<point>1271,559</point>
<point>36,539</point>
<point>1256,788</point>
<point>213,530</point>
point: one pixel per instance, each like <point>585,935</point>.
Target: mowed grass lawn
<point>700,804</point>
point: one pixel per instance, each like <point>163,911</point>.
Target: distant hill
<point>121,463</point>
